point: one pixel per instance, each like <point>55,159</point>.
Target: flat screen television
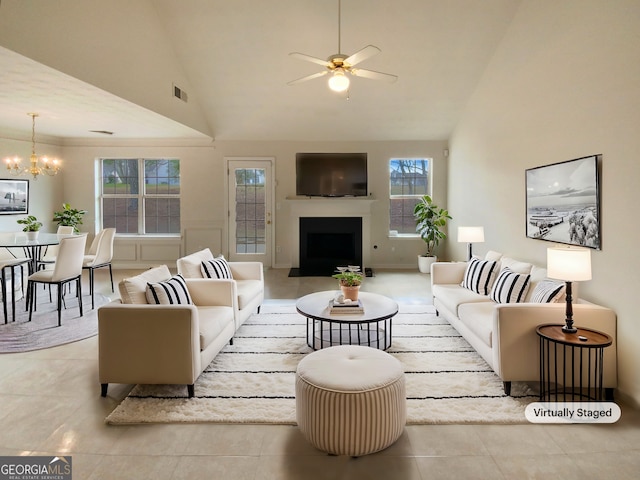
<point>331,174</point>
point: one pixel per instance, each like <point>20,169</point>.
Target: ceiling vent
<point>179,93</point>
<point>102,132</point>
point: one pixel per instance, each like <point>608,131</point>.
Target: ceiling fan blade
<point>311,59</point>
<point>308,77</point>
<point>361,55</point>
<point>361,72</point>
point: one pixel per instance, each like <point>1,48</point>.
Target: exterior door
<point>250,219</point>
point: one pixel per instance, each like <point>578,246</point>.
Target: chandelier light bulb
<point>338,82</point>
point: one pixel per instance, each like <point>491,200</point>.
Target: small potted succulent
<point>350,279</point>
<point>31,226</point>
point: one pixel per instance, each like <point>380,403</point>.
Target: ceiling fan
<point>339,65</point>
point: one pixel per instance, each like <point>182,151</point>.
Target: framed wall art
<point>14,196</point>
<point>563,202</point>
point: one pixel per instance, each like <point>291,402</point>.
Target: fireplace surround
<point>336,208</point>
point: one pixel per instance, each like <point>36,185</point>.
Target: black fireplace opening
<point>329,242</point>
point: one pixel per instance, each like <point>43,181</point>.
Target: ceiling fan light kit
<point>339,82</point>
<point>339,65</point>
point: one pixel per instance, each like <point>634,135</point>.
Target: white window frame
<point>141,196</point>
<point>418,195</point>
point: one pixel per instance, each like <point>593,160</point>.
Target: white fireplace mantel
<point>330,207</point>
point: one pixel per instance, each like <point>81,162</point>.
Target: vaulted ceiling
<point>234,56</point>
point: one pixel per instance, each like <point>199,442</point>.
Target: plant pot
<point>424,263</point>
<point>350,292</point>
<point>32,235</point>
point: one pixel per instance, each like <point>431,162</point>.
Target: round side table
<point>572,360</point>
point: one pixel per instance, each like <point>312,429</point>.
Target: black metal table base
<point>322,333</point>
<point>561,385</point>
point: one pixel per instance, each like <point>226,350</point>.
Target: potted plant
<point>69,217</point>
<point>430,220</point>
<point>350,279</point>
<point>31,226</point>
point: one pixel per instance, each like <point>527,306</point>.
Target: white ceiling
<point>235,55</point>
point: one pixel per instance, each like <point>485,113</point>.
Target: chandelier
<point>47,167</point>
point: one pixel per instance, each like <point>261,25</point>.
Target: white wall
<point>565,83</point>
<point>203,195</point>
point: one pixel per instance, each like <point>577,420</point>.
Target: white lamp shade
<point>571,264</point>
<point>338,82</point>
<point>471,234</point>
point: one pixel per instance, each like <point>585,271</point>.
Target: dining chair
<point>99,256</point>
<point>10,265</point>
<point>49,257</point>
<point>66,269</point>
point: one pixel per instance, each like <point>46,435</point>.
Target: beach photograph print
<point>563,202</point>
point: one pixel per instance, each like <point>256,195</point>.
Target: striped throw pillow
<point>216,268</point>
<point>170,292</point>
<point>547,291</point>
<point>510,287</point>
<point>479,275</point>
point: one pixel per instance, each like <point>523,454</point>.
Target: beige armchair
<point>247,280</point>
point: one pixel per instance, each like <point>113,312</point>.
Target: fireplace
<point>328,242</point>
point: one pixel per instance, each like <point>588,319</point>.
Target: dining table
<point>33,249</point>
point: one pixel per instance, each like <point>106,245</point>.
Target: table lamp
<point>470,235</point>
<point>571,264</point>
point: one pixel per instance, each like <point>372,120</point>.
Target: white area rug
<point>253,380</point>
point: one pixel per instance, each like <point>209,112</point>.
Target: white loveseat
<point>247,281</point>
<point>504,334</point>
<point>163,344</point>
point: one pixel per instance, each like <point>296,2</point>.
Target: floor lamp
<point>571,264</point>
<point>470,235</point>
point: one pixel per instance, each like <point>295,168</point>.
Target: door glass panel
<point>250,210</point>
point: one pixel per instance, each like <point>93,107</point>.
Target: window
<point>408,181</point>
<point>141,195</point>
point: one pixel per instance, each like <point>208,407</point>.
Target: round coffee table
<point>371,328</point>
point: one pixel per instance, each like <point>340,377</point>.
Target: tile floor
<point>50,404</point>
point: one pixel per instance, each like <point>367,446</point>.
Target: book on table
<point>346,308</point>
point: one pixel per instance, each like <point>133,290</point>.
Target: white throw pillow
<point>133,289</point>
<point>510,287</point>
<point>515,265</point>
<point>216,268</point>
<point>548,291</point>
<point>479,275</point>
<point>172,292</point>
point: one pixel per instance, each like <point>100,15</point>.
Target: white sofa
<point>163,344</point>
<point>247,282</point>
<point>504,334</point>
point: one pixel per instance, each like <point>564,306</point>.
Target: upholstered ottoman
<point>350,399</point>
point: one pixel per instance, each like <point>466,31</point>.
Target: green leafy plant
<point>31,224</point>
<point>349,277</point>
<point>69,217</point>
<point>430,220</point>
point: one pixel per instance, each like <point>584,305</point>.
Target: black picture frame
<point>14,196</point>
<point>563,202</point>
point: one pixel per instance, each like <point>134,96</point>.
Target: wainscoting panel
<point>146,251</point>
<point>159,252</point>
<point>124,251</point>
